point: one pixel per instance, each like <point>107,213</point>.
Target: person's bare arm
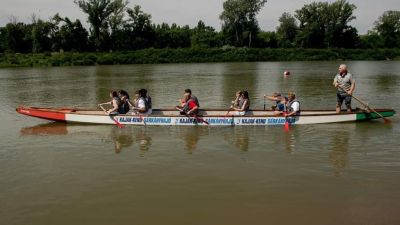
<point>353,86</point>
<point>115,107</point>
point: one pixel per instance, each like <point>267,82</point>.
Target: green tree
<point>388,27</point>
<point>338,33</point>
<point>71,36</point>
<point>371,40</point>
<point>172,36</point>
<point>204,37</point>
<point>324,24</point>
<point>138,30</point>
<point>287,30</point>
<point>41,35</point>
<point>117,22</point>
<point>99,13</point>
<point>16,37</point>
<point>268,39</point>
<point>240,25</point>
<point>312,25</point>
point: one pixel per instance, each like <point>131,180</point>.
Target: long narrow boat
<point>212,117</point>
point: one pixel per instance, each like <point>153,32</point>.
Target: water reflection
<point>45,129</point>
<point>339,151</point>
<point>191,136</point>
<point>121,138</point>
<point>290,138</point>
<point>238,137</point>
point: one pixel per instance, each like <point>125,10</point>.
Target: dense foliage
<point>186,55</point>
<point>115,27</point>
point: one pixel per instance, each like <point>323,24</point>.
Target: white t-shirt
<point>295,106</point>
<point>141,103</point>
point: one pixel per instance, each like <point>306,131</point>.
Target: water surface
<point>53,173</point>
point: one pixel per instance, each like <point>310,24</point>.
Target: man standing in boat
<point>345,84</point>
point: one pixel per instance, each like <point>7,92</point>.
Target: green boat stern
<point>372,115</point>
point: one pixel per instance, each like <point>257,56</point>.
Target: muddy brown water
<point>53,173</point>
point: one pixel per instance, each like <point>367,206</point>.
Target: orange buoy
<point>286,73</point>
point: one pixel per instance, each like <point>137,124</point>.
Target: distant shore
<point>189,55</point>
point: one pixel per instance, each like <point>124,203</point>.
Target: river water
<point>53,173</point>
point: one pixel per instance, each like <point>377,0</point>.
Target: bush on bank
<point>190,55</point>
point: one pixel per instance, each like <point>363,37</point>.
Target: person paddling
<point>115,103</point>
<point>183,101</point>
<point>345,84</point>
<point>280,103</point>
<point>126,104</point>
<point>293,106</point>
<point>143,104</point>
<point>189,105</point>
<point>238,98</point>
<point>243,104</point>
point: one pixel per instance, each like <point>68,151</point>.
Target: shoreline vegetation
<point>190,55</point>
<point>122,33</point>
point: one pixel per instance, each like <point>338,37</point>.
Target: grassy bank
<point>149,56</point>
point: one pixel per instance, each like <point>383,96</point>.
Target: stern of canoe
<point>373,115</point>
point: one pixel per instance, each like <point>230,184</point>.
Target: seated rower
<point>143,105</point>
<point>135,100</point>
<point>115,103</point>
<point>243,106</point>
<point>189,105</point>
<point>237,100</point>
<point>277,98</point>
<point>188,91</point>
<point>293,106</point>
<point>125,102</point>
<point>281,106</point>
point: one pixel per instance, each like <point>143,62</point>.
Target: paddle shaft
<point>264,102</point>
<point>363,103</point>
<point>115,121</point>
<point>194,116</point>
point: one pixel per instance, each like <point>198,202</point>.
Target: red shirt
<point>192,104</point>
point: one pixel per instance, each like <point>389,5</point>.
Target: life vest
<point>289,106</point>
<point>186,107</point>
<point>120,105</point>
<point>124,108</point>
<point>196,100</point>
<point>148,103</point>
<point>241,103</point>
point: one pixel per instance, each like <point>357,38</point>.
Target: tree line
<point>116,27</point>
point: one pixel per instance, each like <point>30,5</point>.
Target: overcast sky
<point>189,12</point>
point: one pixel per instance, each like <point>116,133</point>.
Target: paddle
<point>115,121</point>
<point>286,127</point>
<point>227,113</point>
<point>264,101</point>
<point>136,112</point>
<point>194,116</point>
<point>366,105</point>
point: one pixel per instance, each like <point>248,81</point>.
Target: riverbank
<point>151,56</point>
